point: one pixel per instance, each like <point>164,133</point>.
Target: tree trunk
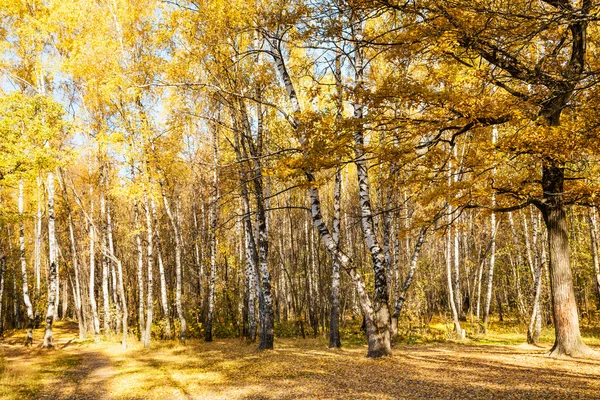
<point>74,261</point>
<point>408,281</point>
<point>490,283</point>
<point>594,244</point>
<point>104,259</point>
<point>2,271</point>
<point>38,243</point>
<point>149,259</point>
<point>178,244</point>
<point>381,317</point>
<point>334,321</point>
<point>92,294</point>
<point>123,303</point>
<point>53,271</point>
<point>534,328</point>
<point>566,321</point>
<point>457,327</point>
<point>140,270</point>
<point>161,270</point>
<point>26,299</point>
<point>214,241</point>
<point>113,273</point>
<point>490,275</point>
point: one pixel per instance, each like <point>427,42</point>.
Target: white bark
<point>149,259</point>
<point>26,299</point>
<point>2,271</point>
<point>214,241</point>
<point>490,282</point>
<point>104,259</point>
<point>178,244</point>
<point>53,272</point>
<point>161,270</point>
<point>74,261</point>
<point>92,294</point>
<point>140,269</point>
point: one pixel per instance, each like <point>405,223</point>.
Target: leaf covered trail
<point>296,369</point>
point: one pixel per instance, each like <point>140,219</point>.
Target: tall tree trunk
<point>53,272</point>
<point>38,242</point>
<point>161,270</point>
<point>149,259</point>
<point>140,270</point>
<point>113,273</point>
<point>519,264</point>
<point>92,294</point>
<point>104,259</point>
<point>197,258</point>
<point>566,321</point>
<point>214,241</point>
<point>26,299</point>
<point>381,317</point>
<point>74,260</point>
<point>334,321</point>
<point>125,316</point>
<point>2,271</point>
<point>408,280</point>
<point>490,276</point>
<point>592,222</point>
<point>457,327</point>
<point>378,334</point>
<point>178,244</point>
<point>251,253</point>
<point>534,328</point>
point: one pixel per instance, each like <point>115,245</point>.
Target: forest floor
<point>499,366</point>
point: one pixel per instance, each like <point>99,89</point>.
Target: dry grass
<point>296,369</point>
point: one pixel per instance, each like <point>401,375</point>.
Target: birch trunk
<point>381,318</point>
<point>197,257</point>
<point>104,259</point>
<point>334,322</point>
<point>140,269</point>
<point>92,294</point>
<point>178,244</point>
<point>214,241</point>
<point>74,261</point>
<point>2,272</point>
<point>149,259</point>
<point>519,264</point>
<point>457,327</point>
<point>38,240</point>
<point>490,283</point>
<point>53,271</point>
<point>535,324</point>
<point>113,273</point>
<point>593,226</point>
<point>26,299</point>
<point>408,280</point>
<point>378,338</point>
<point>161,270</point>
<point>251,253</point>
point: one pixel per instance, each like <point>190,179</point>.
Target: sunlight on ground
<point>499,366</point>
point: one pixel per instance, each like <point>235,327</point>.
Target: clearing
<point>296,369</point>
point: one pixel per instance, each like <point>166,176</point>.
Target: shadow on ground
<point>296,369</point>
